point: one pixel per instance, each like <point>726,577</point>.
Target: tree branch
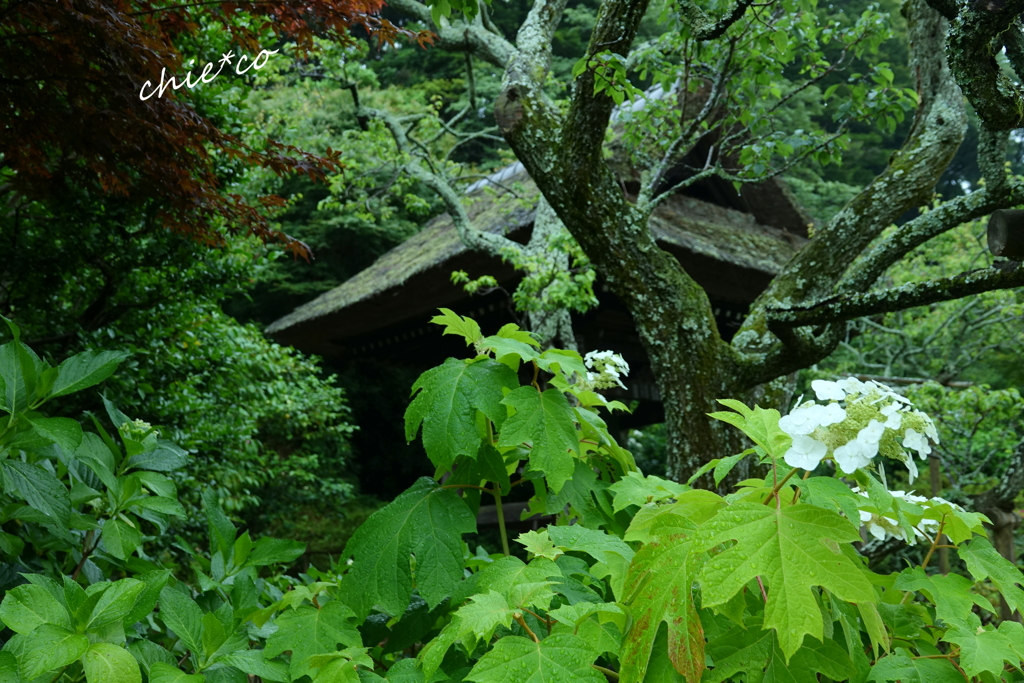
<point>972,59</point>
<point>470,235</point>
<point>907,182</point>
<point>705,28</point>
<point>847,307</point>
<point>461,37</point>
<point>916,232</point>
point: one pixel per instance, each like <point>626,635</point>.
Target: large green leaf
<point>791,549</point>
<point>84,370</point>
<point>63,431</point>
<point>426,521</point>
<point>447,398</point>
<point>558,658</point>
<point>951,594</point>
<point>51,647</point>
<point>900,666</point>
<point>40,489</point>
<point>544,420</point>
<point>256,663</point>
<point>308,631</point>
<point>613,555</point>
<point>167,673</point>
<point>741,648</point>
<point>762,426</point>
<point>9,664</point>
<point>637,489</point>
<point>827,658</point>
<point>116,603</point>
<point>20,369</point>
<point>120,539</point>
<point>273,551</point>
<point>145,601</point>
<point>982,650</point>
<point>166,457</point>
<point>658,589</point>
<point>182,615</point>
<point>108,663</point>
<point>29,606</point>
<point>985,562</point>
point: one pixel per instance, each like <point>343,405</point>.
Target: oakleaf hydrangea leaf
<point>659,588</point>
<point>466,328</point>
<point>900,666</point>
<point>539,544</point>
<point>447,398</point>
<point>637,489</point>
<point>558,658</point>
<point>791,549</point>
<point>984,562</point>
<point>426,521</point>
<point>982,650</point>
<point>545,421</point>
<point>951,594</point>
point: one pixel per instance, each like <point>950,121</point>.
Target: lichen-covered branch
<point>706,28</point>
<point>916,232</point>
<point>473,38</point>
<point>471,236</point>
<point>908,182</point>
<point>971,50</point>
<point>850,306</point>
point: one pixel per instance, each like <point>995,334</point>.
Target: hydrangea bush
<point>637,580</point>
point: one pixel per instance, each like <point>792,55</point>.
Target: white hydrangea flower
<point>851,456</point>
<point>854,421</point>
<point>810,416</point>
<point>607,367</point>
<point>914,440</point>
<point>852,385</point>
<point>893,416</point>
<point>806,452</point>
<point>827,391</point>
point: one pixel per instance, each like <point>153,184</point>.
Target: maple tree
<point>73,116</point>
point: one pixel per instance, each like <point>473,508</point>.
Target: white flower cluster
<point>607,369</point>
<point>859,421</point>
<point>882,527</point>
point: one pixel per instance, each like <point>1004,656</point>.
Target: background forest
<point>302,448</point>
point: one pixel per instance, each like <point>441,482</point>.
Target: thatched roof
<point>727,251</point>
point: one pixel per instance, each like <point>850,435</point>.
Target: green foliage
<point>638,579</point>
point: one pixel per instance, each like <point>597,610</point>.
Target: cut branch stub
<point>1006,234</point>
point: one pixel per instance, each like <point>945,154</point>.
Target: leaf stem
<point>935,543</point>
<point>86,551</point>
<point>607,672</point>
<point>522,622</point>
<point>778,486</point>
<point>536,371</point>
<point>500,510</point>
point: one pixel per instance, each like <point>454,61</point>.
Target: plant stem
<point>935,543</point>
<point>778,486</point>
<point>522,622</point>
<point>536,371</point>
<point>607,672</point>
<point>500,510</point>
<point>86,551</point>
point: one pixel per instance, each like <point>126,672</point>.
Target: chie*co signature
<point>204,77</point>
